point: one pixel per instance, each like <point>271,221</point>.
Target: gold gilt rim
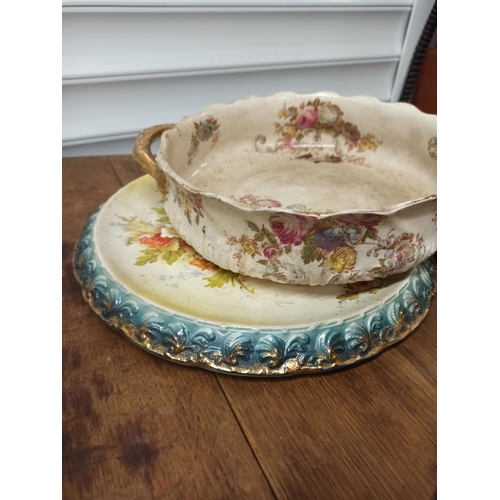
<point>404,325</point>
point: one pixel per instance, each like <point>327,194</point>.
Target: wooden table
<point>136,426</point>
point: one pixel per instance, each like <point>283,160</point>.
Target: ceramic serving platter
<point>142,279</point>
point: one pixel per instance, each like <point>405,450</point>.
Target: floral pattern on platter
<point>160,242</point>
<point>227,348</point>
<point>306,130</point>
<point>432,147</point>
<point>190,202</point>
<point>352,290</point>
<point>204,131</point>
<point>333,244</point>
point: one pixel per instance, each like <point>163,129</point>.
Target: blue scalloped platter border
<point>247,350</point>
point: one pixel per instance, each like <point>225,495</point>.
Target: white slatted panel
<point>234,3</point>
<point>127,67</point>
<point>170,41</point>
<point>93,111</point>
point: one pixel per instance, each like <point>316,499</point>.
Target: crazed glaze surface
<point>144,280</point>
<point>309,190</point>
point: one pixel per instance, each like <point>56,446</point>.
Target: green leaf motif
<point>160,211</point>
<point>270,236</point>
<point>221,278</point>
<point>348,296</point>
<point>253,226</point>
<point>263,262</point>
<point>371,233</point>
<point>150,256</point>
<point>170,256</point>
<point>310,251</point>
<point>151,251</point>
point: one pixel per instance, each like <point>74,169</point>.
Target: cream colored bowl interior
<point>318,175</point>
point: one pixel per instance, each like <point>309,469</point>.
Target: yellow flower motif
<point>282,112</point>
<point>343,259</point>
<point>289,131</point>
<point>367,142</point>
<point>249,246</point>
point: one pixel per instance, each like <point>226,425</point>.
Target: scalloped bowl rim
<point>387,210</point>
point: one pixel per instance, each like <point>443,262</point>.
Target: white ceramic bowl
<point>302,189</point>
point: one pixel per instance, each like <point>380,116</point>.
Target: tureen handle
<point>143,156</point>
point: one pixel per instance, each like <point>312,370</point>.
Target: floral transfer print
<point>333,244</point>
<point>190,202</point>
<point>352,290</point>
<point>289,229</point>
<point>316,126</point>
<point>287,273</point>
<point>343,259</point>
<point>160,242</point>
<point>204,131</point>
<point>256,202</point>
<point>396,251</point>
<point>432,147</point>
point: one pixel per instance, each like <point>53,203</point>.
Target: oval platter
<point>143,280</point>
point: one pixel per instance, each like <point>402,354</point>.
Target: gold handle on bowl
<point>143,156</point>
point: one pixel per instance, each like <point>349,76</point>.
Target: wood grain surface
<point>139,427</point>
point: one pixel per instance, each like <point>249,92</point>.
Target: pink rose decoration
<point>307,118</point>
<point>271,252</point>
<point>398,259</point>
<point>289,229</point>
<point>365,220</point>
<point>268,203</point>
